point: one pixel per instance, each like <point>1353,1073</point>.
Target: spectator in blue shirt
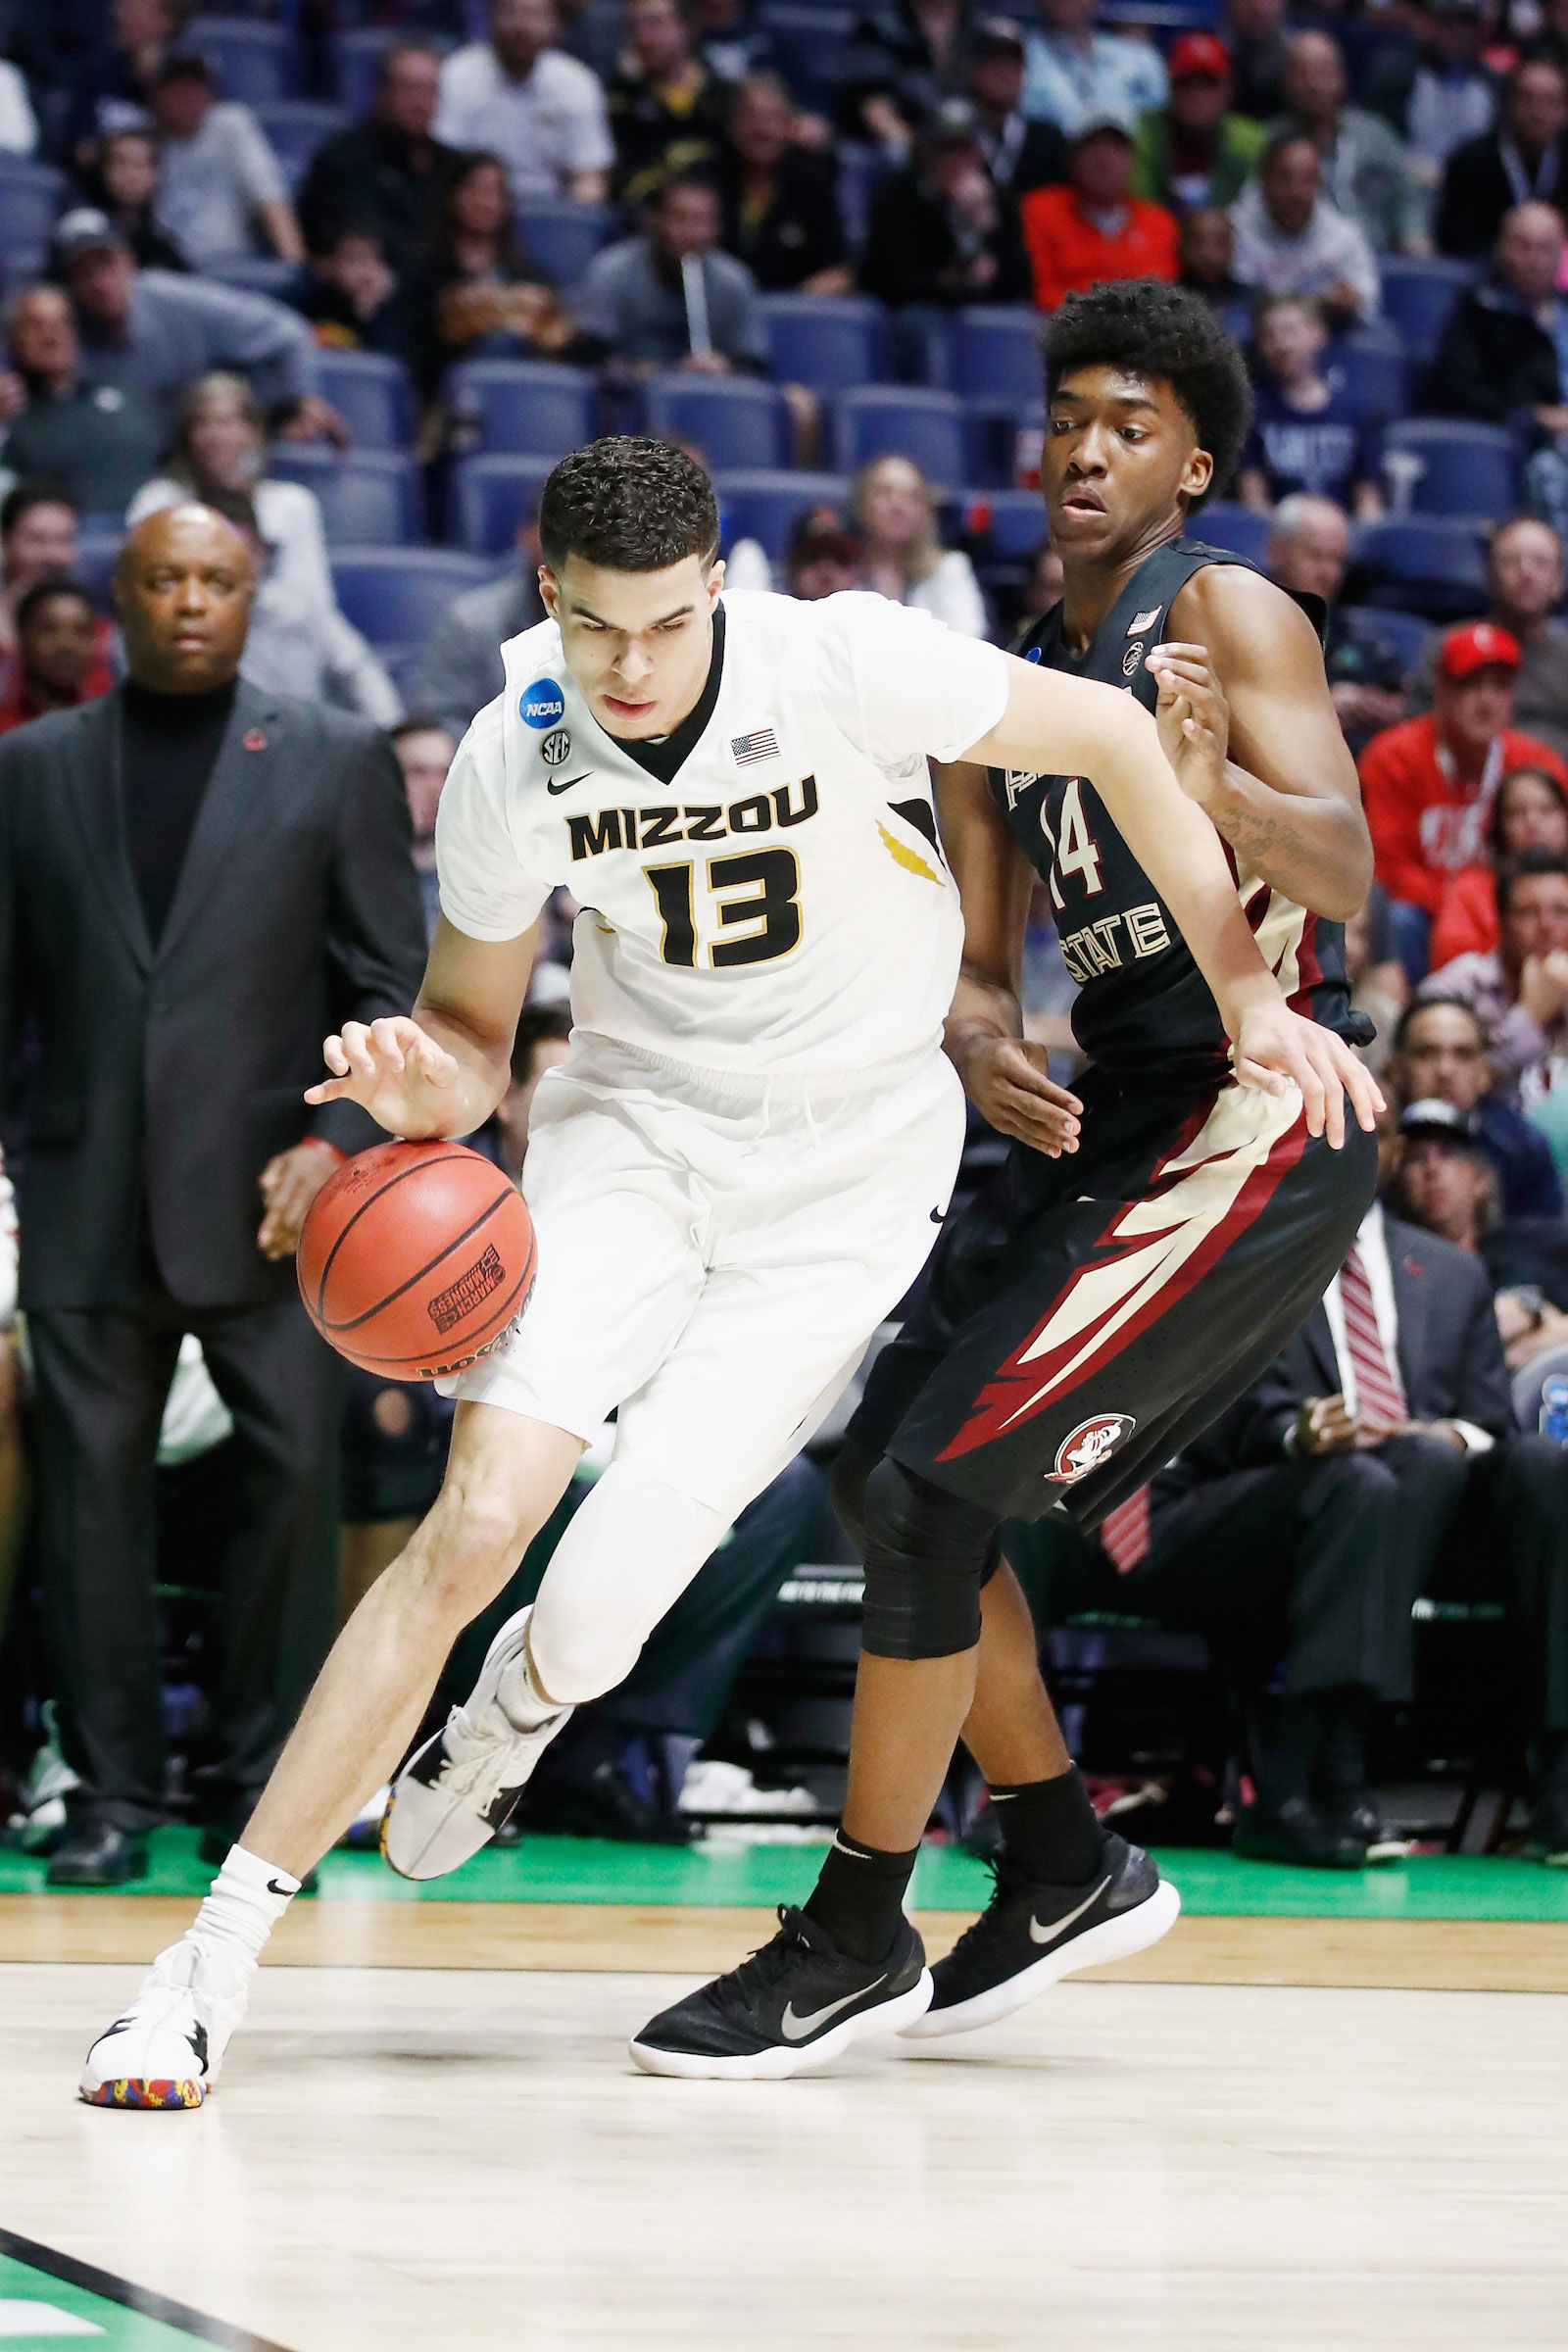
<point>1308,431</point>
<point>1075,75</point>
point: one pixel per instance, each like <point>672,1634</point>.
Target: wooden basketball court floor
<point>1336,2118</point>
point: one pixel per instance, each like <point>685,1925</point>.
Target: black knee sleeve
<point>847,1486</point>
<point>926,1555</point>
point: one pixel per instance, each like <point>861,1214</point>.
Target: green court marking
<point>721,1875</point>
<point>49,2301</point>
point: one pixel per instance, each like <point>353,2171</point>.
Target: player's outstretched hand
<point>407,1083</point>
<point>1276,1045</point>
<point>1005,1078</point>
<point>1193,718</point>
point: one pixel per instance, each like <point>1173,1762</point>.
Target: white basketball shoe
<point>455,1793</point>
<point>166,2049</point>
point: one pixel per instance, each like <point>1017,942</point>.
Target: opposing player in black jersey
<point>1150,1241</point>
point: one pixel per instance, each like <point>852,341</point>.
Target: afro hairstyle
<point>1147,328</point>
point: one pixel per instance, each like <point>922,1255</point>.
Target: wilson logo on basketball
<point>1091,1442</point>
<point>452,1306</point>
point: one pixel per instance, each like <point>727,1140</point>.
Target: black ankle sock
<point>859,1898</point>
<point>1286,1741</point>
<point>1049,1831</point>
<point>1339,1776</point>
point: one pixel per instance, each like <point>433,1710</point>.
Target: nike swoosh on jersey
<point>1060,1927</point>
<point>570,782</point>
<point>796,2028</point>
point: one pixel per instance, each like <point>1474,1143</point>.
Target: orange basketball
<point>416,1259</point>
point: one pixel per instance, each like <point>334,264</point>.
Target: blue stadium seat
<point>252,60</point>
<point>1428,564</point>
<point>859,170</point>
<point>1467,468</point>
<point>295,127</point>
<point>254,273</point>
<point>994,354</point>
<point>1012,522</point>
<point>1406,632</point>
<point>882,419</point>
<point>1418,296</point>
<point>1227,523</point>
<point>373,500</point>
<point>491,497</point>
<point>808,46</point>
<point>1374,368</point>
<point>98,549</point>
<point>527,407</point>
<point>356,62</point>
<point>371,394</point>
<point>766,505</point>
<point>32,197</point>
<point>826,341</point>
<point>562,237</point>
<point>733,420</point>
<point>396,596</point>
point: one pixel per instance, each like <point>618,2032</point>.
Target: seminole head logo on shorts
<point>1085,1447</point>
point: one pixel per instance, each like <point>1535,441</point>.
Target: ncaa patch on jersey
<point>555,748</point>
<point>543,704</point>
<point>1091,1442</point>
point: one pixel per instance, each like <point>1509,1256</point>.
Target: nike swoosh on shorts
<point>1060,1927</point>
<point>796,2028</point>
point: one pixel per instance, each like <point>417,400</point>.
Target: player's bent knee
<point>926,1555</point>
<point>466,1549</point>
<point>847,1489</point>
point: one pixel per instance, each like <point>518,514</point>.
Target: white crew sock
<point>248,1899</point>
<point>521,1699</point>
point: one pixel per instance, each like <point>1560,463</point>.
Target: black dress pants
<point>1297,1567</point>
<point>103,1377</point>
<point>1493,1526</point>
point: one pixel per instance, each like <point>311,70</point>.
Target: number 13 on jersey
<point>751,910</point>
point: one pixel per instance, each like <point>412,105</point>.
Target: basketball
<point>416,1259</point>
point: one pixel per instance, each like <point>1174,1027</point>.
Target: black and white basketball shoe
<point>1029,1935</point>
<point>454,1792</point>
<point>795,2004</point>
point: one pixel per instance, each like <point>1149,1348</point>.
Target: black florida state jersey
<point>1143,1009</point>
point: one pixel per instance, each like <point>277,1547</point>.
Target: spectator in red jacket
<point>1095,228</point>
<point>1430,782</point>
<point>57,663</point>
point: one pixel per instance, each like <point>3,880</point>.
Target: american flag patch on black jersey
<point>749,749</point>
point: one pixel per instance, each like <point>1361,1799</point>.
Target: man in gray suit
<point>197,881</point>
<point>463,668</point>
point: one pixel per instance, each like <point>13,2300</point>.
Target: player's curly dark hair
<point>627,503</point>
<point>1150,328</point>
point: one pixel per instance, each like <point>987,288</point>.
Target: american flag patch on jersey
<point>749,749</point>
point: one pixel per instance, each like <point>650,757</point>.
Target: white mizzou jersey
<point>781,905</point>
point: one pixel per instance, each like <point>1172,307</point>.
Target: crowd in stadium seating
<point>357,273</point>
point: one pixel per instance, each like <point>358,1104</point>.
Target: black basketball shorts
<point>1087,1317</point>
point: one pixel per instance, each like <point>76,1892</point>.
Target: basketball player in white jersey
<point>736,1174</point>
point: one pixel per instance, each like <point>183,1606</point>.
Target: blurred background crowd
<point>356,272</point>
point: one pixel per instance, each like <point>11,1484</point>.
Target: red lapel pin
<point>1413,1265</point>
<point>254,740</point>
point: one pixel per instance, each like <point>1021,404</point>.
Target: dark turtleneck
<point>168,748</point>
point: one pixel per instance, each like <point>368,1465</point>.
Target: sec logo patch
<point>543,704</point>
<point>1091,1442</point>
<point>1131,659</point>
<point>555,748</point>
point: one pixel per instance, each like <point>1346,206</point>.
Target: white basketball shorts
<point>716,1252</point>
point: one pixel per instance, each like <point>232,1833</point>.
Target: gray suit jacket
<point>463,668</point>
<point>172,1078</point>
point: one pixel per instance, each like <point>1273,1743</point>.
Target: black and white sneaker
<point>1030,1934</point>
<point>793,2005</point>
